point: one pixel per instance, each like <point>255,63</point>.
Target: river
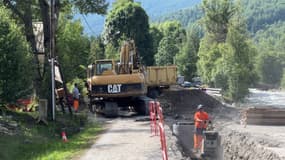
<point>259,98</point>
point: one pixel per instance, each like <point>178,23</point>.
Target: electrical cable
<point>89,27</point>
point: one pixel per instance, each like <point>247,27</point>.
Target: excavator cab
<point>105,67</point>
<point>101,67</point>
<point>112,84</point>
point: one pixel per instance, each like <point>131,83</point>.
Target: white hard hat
<point>200,106</point>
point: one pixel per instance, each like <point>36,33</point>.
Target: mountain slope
<point>93,24</point>
<point>259,14</point>
<point>184,16</point>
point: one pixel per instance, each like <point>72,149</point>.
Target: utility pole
<point>52,55</point>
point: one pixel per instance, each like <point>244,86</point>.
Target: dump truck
<point>112,85</point>
<point>159,78</point>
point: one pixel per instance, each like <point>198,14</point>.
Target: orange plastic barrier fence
<point>152,114</point>
<point>156,111</point>
<point>163,141</point>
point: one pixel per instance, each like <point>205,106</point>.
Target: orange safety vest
<point>202,116</point>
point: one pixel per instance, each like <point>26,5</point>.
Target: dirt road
<point>127,139</point>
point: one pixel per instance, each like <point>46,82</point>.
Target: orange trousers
<point>75,104</point>
<point>198,141</point>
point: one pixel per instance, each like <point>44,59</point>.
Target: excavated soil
<point>238,143</point>
<point>181,104</point>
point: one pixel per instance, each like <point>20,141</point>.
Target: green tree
<point>166,52</point>
<point>222,66</point>
<point>216,20</point>
<point>217,16</point>
<point>226,55</point>
<point>241,57</point>
<point>188,57</point>
<point>174,30</point>
<point>73,48</point>
<point>90,6</point>
<point>271,58</point>
<point>173,35</point>
<point>15,60</point>
<point>128,20</point>
<point>270,68</point>
<point>25,11</point>
<point>97,50</point>
<point>156,36</point>
<point>283,80</point>
<point>111,52</point>
<point>209,53</point>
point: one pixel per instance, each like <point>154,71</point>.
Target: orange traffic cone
<point>63,135</point>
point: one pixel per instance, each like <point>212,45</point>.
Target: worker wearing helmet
<point>200,118</point>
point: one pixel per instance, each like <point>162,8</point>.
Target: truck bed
<point>161,75</point>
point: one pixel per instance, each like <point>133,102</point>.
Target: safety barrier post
<point>152,114</point>
<point>159,112</point>
<point>163,141</point>
<point>161,130</point>
<point>155,111</point>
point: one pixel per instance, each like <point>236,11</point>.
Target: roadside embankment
<point>253,142</point>
<point>22,138</point>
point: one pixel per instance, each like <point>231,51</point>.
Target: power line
<point>89,27</point>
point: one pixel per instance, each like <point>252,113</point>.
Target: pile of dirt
<point>240,146</point>
<point>183,103</point>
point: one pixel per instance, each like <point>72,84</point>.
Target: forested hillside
<point>258,13</point>
<point>154,9</point>
<point>262,13</point>
<point>265,24</point>
<point>184,16</point>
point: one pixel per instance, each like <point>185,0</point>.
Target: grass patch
<point>39,142</point>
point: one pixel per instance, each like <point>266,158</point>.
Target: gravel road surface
<point>127,139</point>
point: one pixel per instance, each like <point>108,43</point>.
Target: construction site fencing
<point>157,113</point>
<point>152,114</point>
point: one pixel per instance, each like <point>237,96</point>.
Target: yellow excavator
<point>125,83</point>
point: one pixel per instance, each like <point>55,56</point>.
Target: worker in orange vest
<point>201,119</point>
